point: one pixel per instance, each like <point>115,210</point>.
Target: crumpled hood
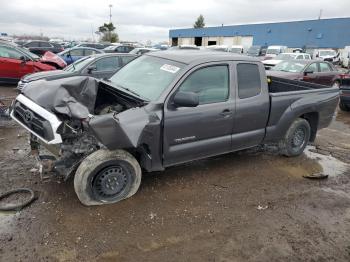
<point>73,96</point>
<point>50,57</point>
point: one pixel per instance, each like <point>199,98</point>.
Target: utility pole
<point>110,21</point>
<point>110,13</point>
<point>319,16</point>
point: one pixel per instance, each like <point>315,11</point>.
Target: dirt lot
<point>246,206</point>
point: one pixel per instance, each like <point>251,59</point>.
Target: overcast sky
<point>142,20</point>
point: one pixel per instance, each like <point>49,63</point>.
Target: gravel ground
<point>245,206</point>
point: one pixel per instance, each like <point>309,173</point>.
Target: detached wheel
<point>106,177</point>
<point>296,138</point>
<point>343,106</point>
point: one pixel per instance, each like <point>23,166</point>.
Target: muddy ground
<point>246,206</point>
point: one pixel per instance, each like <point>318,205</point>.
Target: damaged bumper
<point>36,120</point>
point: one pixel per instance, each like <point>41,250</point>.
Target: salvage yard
<point>252,205</point>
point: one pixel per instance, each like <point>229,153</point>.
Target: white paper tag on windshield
<point>170,68</point>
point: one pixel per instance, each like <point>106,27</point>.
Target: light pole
<point>110,21</point>
<point>110,13</point>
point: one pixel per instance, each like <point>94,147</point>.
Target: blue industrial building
<point>323,33</point>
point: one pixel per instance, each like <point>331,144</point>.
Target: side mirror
<point>91,68</point>
<point>307,72</point>
<point>23,59</point>
<point>317,55</point>
<point>186,99</point>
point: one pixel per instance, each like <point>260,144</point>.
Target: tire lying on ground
<point>106,177</point>
<point>296,138</point>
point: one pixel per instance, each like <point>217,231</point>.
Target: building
<point>323,33</point>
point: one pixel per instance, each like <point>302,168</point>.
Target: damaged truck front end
<point>76,116</point>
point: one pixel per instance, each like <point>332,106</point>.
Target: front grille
<point>33,121</point>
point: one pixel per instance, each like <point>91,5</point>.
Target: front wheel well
<point>312,118</point>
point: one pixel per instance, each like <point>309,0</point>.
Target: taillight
<point>344,76</point>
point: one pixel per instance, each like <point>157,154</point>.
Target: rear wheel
<point>296,138</point>
<point>343,106</point>
<point>106,177</point>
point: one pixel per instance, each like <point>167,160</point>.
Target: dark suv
<point>41,47</point>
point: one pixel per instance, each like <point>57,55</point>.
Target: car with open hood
<point>16,62</point>
<point>163,109</point>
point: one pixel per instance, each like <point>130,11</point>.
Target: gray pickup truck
<point>163,109</point>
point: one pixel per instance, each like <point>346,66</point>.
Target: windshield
<point>289,66</point>
<point>254,50</point>
<point>28,53</point>
<point>286,56</point>
<point>327,53</point>
<point>236,50</point>
<point>273,51</point>
<point>79,64</point>
<point>147,76</point>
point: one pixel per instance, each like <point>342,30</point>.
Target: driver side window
<point>9,53</point>
<point>211,84</point>
<point>312,67</point>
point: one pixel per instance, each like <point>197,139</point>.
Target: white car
<point>345,57</point>
<point>329,55</point>
<point>274,50</point>
<point>285,56</point>
<point>236,49</point>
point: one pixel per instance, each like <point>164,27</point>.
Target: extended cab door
<point>252,105</point>
<point>196,132</point>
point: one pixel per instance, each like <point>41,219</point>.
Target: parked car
<point>344,102</point>
<point>158,111</point>
<point>15,62</point>
<point>345,57</point>
<point>257,50</point>
<point>41,47</point>
<point>92,45</point>
<point>186,47</point>
<point>98,66</point>
<point>142,50</point>
<point>118,49</point>
<point>284,56</point>
<point>327,55</point>
<point>73,54</point>
<point>314,71</point>
<point>236,49</point>
<point>274,50</point>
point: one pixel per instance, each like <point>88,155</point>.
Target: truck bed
<point>291,98</point>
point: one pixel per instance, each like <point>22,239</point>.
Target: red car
<point>315,71</point>
<point>15,62</point>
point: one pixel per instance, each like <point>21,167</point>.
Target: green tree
<point>108,34</point>
<point>200,22</point>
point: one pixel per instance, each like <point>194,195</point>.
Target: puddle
<point>330,165</point>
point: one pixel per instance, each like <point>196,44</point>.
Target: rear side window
<point>44,44</point>
<point>107,64</point>
<point>324,67</point>
<point>76,52</point>
<point>249,83</point>
<point>210,83</point>
<point>90,52</point>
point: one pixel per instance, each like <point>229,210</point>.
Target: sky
<point>143,20</point>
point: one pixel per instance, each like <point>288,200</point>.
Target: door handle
<point>226,113</point>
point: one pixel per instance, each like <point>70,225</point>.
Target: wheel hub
<point>299,137</point>
<point>110,181</point>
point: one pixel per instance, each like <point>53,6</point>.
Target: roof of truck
<point>199,56</point>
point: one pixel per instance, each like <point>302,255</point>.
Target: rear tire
<point>344,107</point>
<point>296,138</point>
<point>106,177</point>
